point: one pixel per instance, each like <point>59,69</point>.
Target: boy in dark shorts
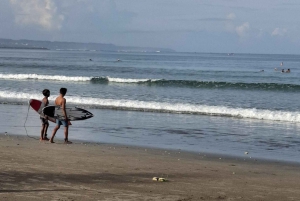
<point>61,101</point>
<point>45,123</point>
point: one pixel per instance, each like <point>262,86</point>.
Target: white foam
<point>126,80</point>
<point>67,78</point>
<point>44,77</point>
<point>168,107</point>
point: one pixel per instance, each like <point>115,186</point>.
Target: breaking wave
<point>152,106</point>
<point>158,82</point>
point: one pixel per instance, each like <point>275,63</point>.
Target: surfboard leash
<point>25,124</point>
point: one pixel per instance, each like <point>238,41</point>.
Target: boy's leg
<point>42,132</point>
<point>67,134</point>
<point>58,123</point>
<point>45,131</point>
<point>45,125</point>
<point>53,133</point>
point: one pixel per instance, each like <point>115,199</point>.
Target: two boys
<point>59,101</point>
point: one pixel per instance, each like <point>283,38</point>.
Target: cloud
<point>243,29</point>
<point>279,32</point>
<point>41,13</point>
<point>229,24</point>
<point>230,16</point>
<point>212,19</point>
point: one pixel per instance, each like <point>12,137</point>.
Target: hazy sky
<point>250,26</point>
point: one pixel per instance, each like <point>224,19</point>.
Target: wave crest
<point>44,77</point>
<point>159,82</point>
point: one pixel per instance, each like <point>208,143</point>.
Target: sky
<point>222,26</point>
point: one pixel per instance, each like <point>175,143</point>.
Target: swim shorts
<point>61,122</point>
<point>44,121</point>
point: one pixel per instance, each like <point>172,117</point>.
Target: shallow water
<point>196,133</point>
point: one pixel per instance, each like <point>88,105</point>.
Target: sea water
<point>200,102</point>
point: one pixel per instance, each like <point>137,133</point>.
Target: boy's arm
<point>63,107</point>
<point>45,102</point>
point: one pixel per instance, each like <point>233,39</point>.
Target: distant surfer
<point>61,101</point>
<point>44,120</point>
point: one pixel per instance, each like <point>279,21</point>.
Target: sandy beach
<point>34,170</point>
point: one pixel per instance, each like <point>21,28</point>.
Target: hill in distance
<point>55,45</point>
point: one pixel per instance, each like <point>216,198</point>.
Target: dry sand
<point>34,170</point>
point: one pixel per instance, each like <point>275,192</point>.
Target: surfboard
<point>38,106</point>
<point>73,113</point>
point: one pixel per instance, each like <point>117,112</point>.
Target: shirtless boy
<point>61,101</point>
<point>45,123</point>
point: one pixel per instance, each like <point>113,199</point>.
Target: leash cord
<point>25,123</point>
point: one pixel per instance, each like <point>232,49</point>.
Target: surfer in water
<point>44,120</point>
<point>61,101</point>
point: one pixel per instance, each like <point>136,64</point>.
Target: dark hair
<point>63,91</point>
<point>46,92</point>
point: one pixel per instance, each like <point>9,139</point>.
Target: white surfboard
<point>38,106</point>
<point>73,113</point>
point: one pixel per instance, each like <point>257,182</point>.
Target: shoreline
<point>37,170</point>
<point>247,158</point>
<point>190,154</point>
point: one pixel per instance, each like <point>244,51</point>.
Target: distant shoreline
<point>25,48</point>
<point>54,45</point>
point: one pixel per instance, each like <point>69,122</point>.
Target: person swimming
<point>288,71</point>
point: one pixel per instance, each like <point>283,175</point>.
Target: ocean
<point>201,102</point>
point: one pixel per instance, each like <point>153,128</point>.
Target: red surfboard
<point>38,106</point>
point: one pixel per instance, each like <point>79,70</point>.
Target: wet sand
<point>34,170</point>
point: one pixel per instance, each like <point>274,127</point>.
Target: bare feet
<point>45,138</point>
<point>67,141</point>
<point>51,141</point>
